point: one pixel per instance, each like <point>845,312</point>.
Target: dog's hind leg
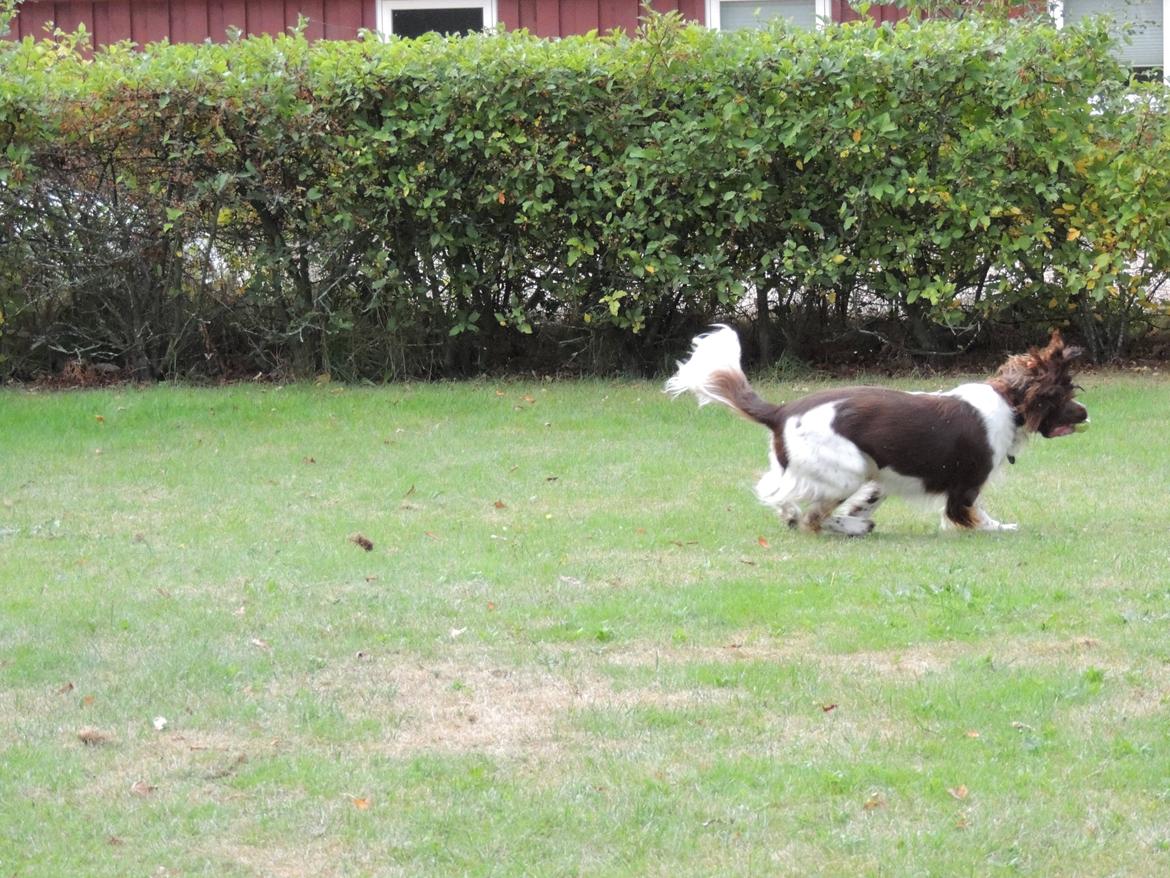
<point>864,502</point>
<point>854,516</point>
<point>818,519</point>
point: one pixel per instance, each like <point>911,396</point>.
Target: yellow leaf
<point>839,258</point>
<point>857,136</point>
<point>1073,234</point>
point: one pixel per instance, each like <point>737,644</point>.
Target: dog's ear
<point>1073,353</point>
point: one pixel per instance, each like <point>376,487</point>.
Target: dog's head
<point>1039,386</point>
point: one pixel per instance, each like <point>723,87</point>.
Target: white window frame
<point>822,10</point>
<point>1057,7</point>
<point>384,16</point>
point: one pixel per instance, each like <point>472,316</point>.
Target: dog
<point>836,455</point>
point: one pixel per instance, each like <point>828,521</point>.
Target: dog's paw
<point>847,525</point>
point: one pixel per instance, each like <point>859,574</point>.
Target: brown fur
<point>1038,386</point>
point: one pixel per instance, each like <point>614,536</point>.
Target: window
<point>739,14</point>
<point>413,18</point>
<point>1149,42</point>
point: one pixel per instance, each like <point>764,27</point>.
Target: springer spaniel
<point>837,454</point>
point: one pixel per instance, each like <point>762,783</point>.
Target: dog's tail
<point>713,374</point>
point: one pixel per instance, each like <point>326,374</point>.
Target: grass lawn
<point>578,646</point>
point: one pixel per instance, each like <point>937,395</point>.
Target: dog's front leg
<point>974,518</point>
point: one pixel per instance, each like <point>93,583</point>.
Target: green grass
<point>569,652</point>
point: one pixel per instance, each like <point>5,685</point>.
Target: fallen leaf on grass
<point>362,541</point>
<point>972,734</point>
<point>159,723</point>
<point>431,534</point>
<point>87,700</point>
<point>92,737</point>
<point>67,688</point>
<point>877,800</point>
<point>142,788</point>
<point>959,792</point>
<point>828,708</point>
<point>763,542</point>
<point>500,504</point>
<point>260,644</point>
<point>360,802</point>
<point>114,841</point>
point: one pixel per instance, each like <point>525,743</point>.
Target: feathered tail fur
<point>713,374</point>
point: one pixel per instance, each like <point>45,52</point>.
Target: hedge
<point>445,206</point>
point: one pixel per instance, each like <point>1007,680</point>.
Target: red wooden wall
<point>840,10</point>
<point>192,21</point>
<point>185,21</point>
<point>557,18</point>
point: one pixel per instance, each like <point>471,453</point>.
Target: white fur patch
<point>1003,435</point>
<point>713,352</point>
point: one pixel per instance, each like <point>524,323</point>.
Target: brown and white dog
<point>837,454</point>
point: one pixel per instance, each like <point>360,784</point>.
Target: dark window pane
<point>416,22</point>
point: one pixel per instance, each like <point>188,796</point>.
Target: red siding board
<point>580,17</point>
<point>314,11</point>
<point>150,21</point>
<point>34,18</point>
<point>695,10</point>
<point>548,18</point>
<point>234,15</point>
<point>189,21</point>
<point>70,16</point>
<point>117,23</point>
<point>343,19</point>
<point>266,18</point>
<point>527,17</point>
<point>619,14</point>
<point>509,12</point>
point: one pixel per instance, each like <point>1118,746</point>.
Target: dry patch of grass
<point>475,704</point>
